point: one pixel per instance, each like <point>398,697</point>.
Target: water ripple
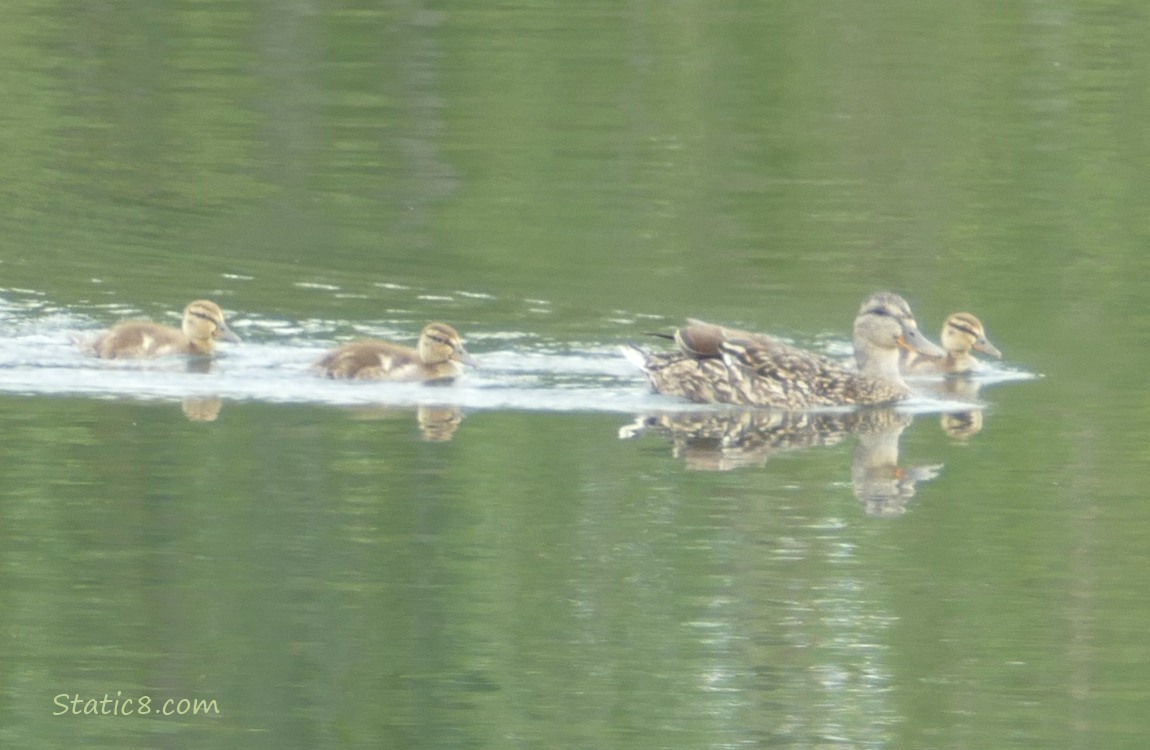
<point>519,369</point>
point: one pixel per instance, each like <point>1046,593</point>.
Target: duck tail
<point>634,355</point>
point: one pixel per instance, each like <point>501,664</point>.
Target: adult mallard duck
<point>438,356</point>
<point>134,339</point>
<point>761,371</point>
<point>961,332</point>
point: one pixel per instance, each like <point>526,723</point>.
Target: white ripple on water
<point>47,363</point>
<point>37,357</point>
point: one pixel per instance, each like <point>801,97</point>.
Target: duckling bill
<point>438,356</point>
<point>203,323</point>
<point>762,371</point>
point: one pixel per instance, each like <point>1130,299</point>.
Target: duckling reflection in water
<point>721,441</point>
<point>202,408</point>
<point>437,424</point>
<point>961,424</point>
<point>439,356</point>
<point>719,365</point>
<point>203,323</point>
<point>961,333</point>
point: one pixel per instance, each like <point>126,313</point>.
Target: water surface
<point>545,554</point>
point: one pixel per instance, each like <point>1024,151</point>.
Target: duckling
<point>766,372</point>
<point>960,333</point>
<point>203,322</point>
<point>438,356</point>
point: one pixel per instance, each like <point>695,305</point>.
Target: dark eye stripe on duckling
<point>203,316</point>
<point>441,340</point>
<point>965,329</point>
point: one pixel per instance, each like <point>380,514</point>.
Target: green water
<point>559,180</point>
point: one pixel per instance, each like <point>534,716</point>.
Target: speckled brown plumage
<point>765,372</point>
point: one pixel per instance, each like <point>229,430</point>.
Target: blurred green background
<point>534,582</point>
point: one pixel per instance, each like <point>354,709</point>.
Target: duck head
<point>439,342</point>
<point>885,325</point>
<point>204,320</point>
<point>962,332</point>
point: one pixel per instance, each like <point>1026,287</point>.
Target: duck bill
<point>913,340</point>
<point>464,358</point>
<point>223,333</point>
<point>984,346</point>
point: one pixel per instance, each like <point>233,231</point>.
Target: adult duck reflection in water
<point>721,441</point>
<point>879,482</point>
